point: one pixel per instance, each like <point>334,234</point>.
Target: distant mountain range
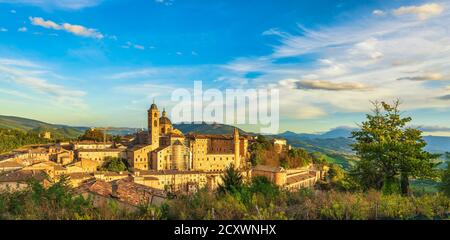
<point>335,140</point>
<point>339,139</point>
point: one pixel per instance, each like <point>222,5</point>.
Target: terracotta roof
<point>299,178</point>
<point>137,147</point>
<point>10,164</point>
<point>79,175</point>
<point>90,142</point>
<point>109,173</point>
<point>23,176</point>
<point>102,150</point>
<point>124,190</point>
<point>59,168</point>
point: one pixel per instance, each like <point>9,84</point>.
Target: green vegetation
<point>25,125</point>
<point>115,165</point>
<point>232,181</point>
<point>94,135</point>
<point>390,153</point>
<point>258,199</point>
<point>12,139</point>
<point>445,183</point>
<point>262,200</point>
<point>263,152</point>
<point>37,202</point>
<point>296,157</point>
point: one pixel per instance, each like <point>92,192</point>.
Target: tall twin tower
<point>158,126</point>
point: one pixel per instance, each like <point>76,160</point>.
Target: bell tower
<point>237,160</point>
<point>153,126</point>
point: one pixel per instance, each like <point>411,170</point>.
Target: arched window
<point>155,115</point>
<point>155,123</point>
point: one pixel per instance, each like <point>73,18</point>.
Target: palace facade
<point>163,147</point>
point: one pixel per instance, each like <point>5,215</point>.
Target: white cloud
<point>378,12</point>
<point>13,11</point>
<point>423,12</point>
<point>71,28</point>
<point>132,45</point>
<point>22,29</point>
<point>2,29</point>
<point>58,4</point>
<point>140,47</point>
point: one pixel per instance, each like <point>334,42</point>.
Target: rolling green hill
<point>29,125</point>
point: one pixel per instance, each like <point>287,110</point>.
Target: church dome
<point>164,120</point>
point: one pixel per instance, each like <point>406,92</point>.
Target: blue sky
<point>97,63</point>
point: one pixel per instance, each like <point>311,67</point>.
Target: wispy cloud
<point>365,58</point>
<point>30,75</point>
<point>22,29</point>
<point>71,28</point>
<point>331,86</point>
<point>427,77</point>
<point>57,4</point>
<point>133,45</point>
<point>2,29</point>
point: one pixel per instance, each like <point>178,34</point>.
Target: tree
<point>115,165</point>
<point>318,158</point>
<point>445,181</point>
<point>389,151</point>
<point>231,180</point>
<point>94,135</point>
<point>297,157</point>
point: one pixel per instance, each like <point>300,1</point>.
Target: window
<point>155,123</point>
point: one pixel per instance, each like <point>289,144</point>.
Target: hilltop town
<point>161,161</point>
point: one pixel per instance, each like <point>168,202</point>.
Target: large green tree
<point>231,180</point>
<point>95,135</point>
<point>390,152</point>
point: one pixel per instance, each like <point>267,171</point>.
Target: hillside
<point>206,128</point>
<point>29,125</point>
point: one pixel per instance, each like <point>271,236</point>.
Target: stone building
<point>163,147</point>
<point>18,180</point>
<point>291,179</point>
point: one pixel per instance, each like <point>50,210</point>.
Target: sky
<point>103,62</point>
